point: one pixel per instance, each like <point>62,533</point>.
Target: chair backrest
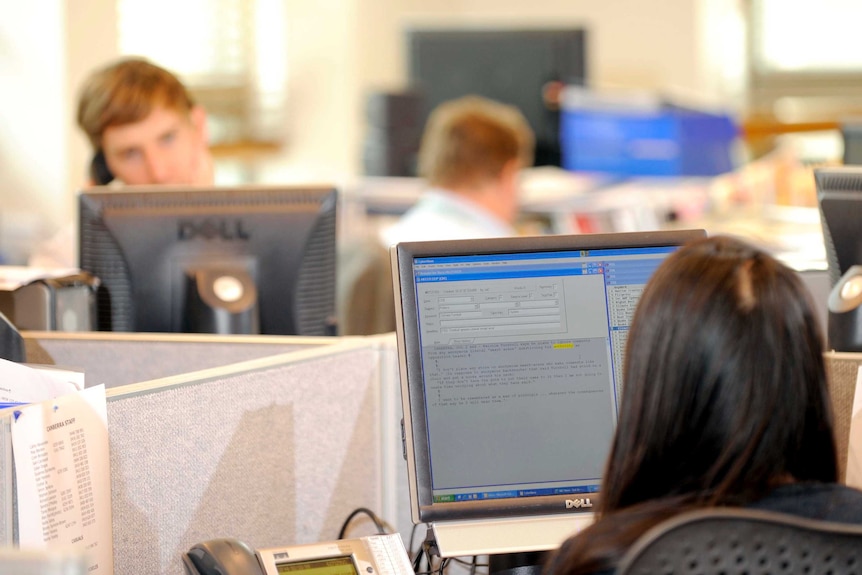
<point>365,303</point>
<point>743,541</point>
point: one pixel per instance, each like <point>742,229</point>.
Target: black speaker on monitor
<point>393,134</point>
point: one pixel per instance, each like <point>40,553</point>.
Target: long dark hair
<point>724,397</point>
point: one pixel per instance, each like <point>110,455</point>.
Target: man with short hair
<point>471,155</point>
<point>145,126</point>
<point>145,129</point>
<point>472,152</point>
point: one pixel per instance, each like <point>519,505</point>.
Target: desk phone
<point>372,555</point>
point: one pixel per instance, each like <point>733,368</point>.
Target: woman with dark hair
<point>724,404</point>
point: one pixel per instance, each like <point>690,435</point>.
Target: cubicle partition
<point>273,450</point>
<point>278,447</point>
<point>116,359</point>
<point>842,370</point>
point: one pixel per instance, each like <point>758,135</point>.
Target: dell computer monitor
<point>839,197</point>
<point>250,259</point>
<point>511,358</point>
<point>521,67</point>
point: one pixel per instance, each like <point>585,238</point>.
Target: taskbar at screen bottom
<point>513,493</point>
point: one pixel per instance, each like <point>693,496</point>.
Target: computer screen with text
<point>512,356</point>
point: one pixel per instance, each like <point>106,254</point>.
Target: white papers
<point>13,277</point>
<point>22,384</point>
<point>854,448</point>
<point>68,378</point>
<point>62,470</point>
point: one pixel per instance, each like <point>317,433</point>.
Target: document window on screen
<point>522,361</point>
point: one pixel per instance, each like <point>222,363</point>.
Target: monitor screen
<point>520,67</point>
<point>839,196</point>
<point>341,565</point>
<point>511,355</point>
<point>251,259</point>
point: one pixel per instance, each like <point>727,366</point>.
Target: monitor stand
<point>221,300</point>
<point>526,563</point>
<point>515,546</point>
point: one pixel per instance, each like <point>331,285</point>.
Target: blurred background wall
<point>312,64</point>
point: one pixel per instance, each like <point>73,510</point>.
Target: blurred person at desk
<point>472,153</point>
<point>145,129</point>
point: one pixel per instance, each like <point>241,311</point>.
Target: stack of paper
<point>59,436</point>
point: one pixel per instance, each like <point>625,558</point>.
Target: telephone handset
<point>100,173</point>
<point>372,555</point>
<point>221,557</point>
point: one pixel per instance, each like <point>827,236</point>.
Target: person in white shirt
<point>472,152</point>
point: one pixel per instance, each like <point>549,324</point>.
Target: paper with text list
<point>62,468</point>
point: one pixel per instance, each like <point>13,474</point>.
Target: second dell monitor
<point>212,260</point>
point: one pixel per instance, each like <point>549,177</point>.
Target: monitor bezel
<point>95,204</point>
<point>839,200</point>
<point>415,432</point>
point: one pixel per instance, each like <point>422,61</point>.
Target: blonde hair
<point>126,92</point>
<point>468,141</point>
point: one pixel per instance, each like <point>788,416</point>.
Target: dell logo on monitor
<point>578,503</point>
<point>211,229</point>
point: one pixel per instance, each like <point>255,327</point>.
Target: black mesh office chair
<point>745,542</point>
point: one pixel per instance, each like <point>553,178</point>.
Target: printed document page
<point>62,468</point>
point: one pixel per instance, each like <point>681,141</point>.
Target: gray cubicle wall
<point>116,359</point>
<point>273,450</point>
<point>842,370</point>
